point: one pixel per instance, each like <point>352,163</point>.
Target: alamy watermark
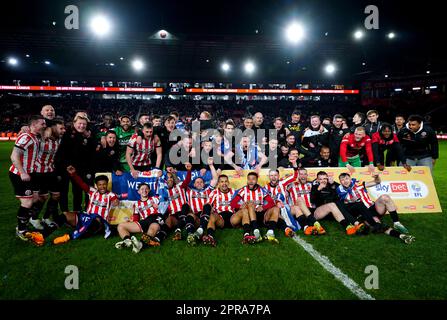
<point>372,280</point>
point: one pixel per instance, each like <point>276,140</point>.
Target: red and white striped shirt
<point>221,201</point>
<point>257,195</point>
<point>197,199</point>
<point>146,208</point>
<point>100,203</point>
<point>176,198</point>
<point>356,193</point>
<point>299,190</point>
<point>142,151</point>
<point>45,157</point>
<point>279,193</point>
<point>29,143</point>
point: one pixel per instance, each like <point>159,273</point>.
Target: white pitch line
<point>336,272</point>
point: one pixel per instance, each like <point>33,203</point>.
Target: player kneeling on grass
<point>260,206</point>
<point>146,220</point>
<point>355,195</point>
<point>96,217</point>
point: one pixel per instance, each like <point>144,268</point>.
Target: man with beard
<point>138,155</point>
<point>260,207</point>
<point>419,142</point>
<point>322,161</point>
<point>350,148</point>
<point>123,134</point>
<point>23,159</point>
<point>198,197</point>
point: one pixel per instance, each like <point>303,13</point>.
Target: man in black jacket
<point>373,124</point>
<point>107,159</point>
<point>419,142</point>
<point>336,134</point>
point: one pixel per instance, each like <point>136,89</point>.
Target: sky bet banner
<point>411,191</point>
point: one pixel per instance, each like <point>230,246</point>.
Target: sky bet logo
<point>395,187</point>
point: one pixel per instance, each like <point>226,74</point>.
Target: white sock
<point>270,233</point>
<point>200,231</point>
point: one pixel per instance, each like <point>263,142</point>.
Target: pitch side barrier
<point>413,192</point>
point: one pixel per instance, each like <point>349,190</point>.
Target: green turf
<point>230,271</point>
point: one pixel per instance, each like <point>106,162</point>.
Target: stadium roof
<point>206,34</point>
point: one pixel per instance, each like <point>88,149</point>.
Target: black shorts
<point>226,217</point>
<point>22,189</point>
<point>373,210</point>
<point>145,223</point>
<point>46,182</point>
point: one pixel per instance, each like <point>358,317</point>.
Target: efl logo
<point>419,171</point>
<point>365,173</point>
<point>430,206</point>
<point>385,173</point>
<point>398,187</point>
<point>410,207</point>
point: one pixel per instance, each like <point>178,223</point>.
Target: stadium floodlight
<point>111,64</point>
<point>47,62</point>
<point>433,87</point>
<point>27,55</point>
<point>427,72</point>
<point>121,58</point>
<point>330,68</point>
<point>358,34</point>
<point>100,25</point>
<point>398,89</point>
<point>137,65</point>
<point>13,61</point>
<point>391,35</point>
<point>386,76</point>
<point>249,67</point>
<point>294,33</point>
<point>225,67</point>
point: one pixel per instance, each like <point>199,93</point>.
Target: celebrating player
<point>146,220</point>
<point>355,195</point>
<point>350,148</point>
<point>138,155</point>
<point>197,198</point>
<point>219,213</point>
<point>96,217</point>
<point>23,157</point>
<point>260,206</point>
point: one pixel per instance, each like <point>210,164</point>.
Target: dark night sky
<point>419,26</point>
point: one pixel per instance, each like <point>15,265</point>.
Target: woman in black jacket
<point>107,158</point>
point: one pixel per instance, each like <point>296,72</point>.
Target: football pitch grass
<point>231,270</point>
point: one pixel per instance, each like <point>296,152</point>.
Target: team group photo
<point>147,155</point>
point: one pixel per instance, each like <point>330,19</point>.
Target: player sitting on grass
<point>95,218</point>
<point>219,213</point>
<point>146,220</point>
<point>324,195</point>
<point>197,198</point>
<point>260,206</point>
<point>355,195</point>
<point>277,190</point>
<point>176,197</point>
<point>301,206</point>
